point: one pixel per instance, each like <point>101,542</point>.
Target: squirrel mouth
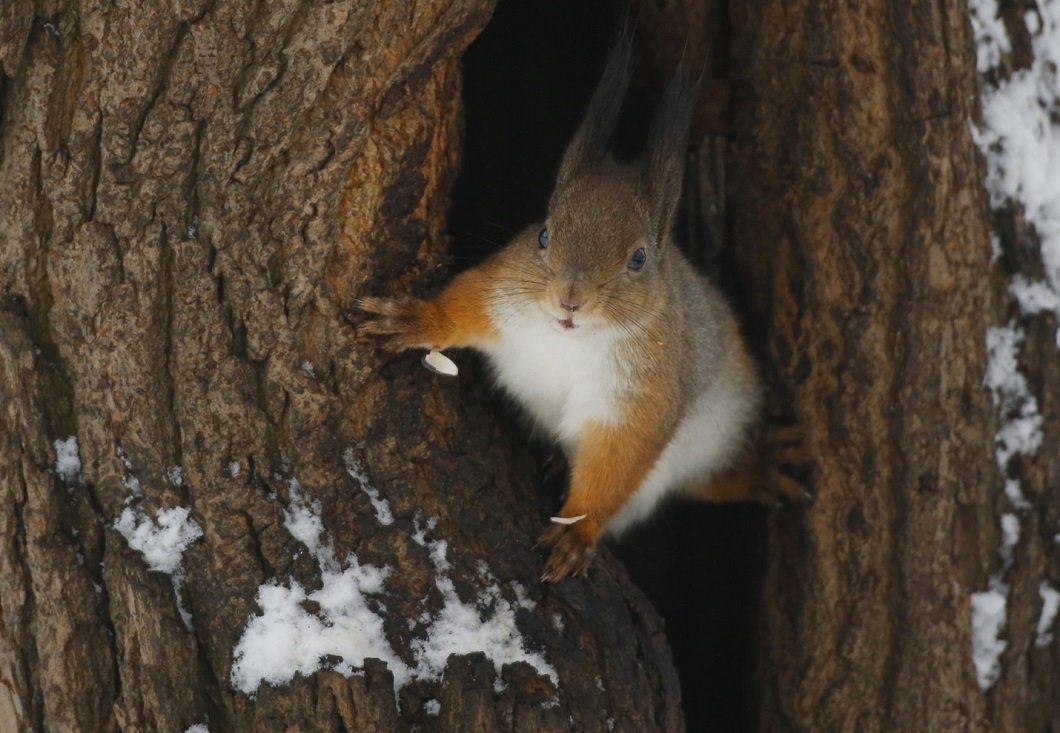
<point>566,323</point>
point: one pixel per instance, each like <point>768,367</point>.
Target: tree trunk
<point>192,198</point>
<point>862,229</point>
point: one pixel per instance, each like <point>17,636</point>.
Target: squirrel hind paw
<point>571,555</point>
<point>788,466</point>
<point>778,488</point>
<point>784,479</point>
<point>789,483</point>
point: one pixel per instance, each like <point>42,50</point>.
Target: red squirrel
<point>601,329</point>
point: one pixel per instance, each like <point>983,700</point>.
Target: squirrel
<point>600,328</point>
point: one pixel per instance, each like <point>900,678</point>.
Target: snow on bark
<point>990,611</point>
<point>162,542</point>
<point>286,639</point>
<point>345,625</point>
<point>383,515</point>
<point>67,460</point>
<point>1050,605</point>
<point>1021,421</point>
<point>1019,137</point>
<point>462,628</point>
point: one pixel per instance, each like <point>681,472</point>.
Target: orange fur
<point>459,316</point>
<point>736,485</point>
<point>611,464</point>
<point>661,353</point>
<point>759,476</point>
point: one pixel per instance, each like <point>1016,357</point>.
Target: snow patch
<point>198,728</point>
<point>1020,137</point>
<point>162,542</point>
<point>989,611</point>
<point>175,475</point>
<point>68,459</point>
<point>1021,427</point>
<point>383,515</point>
<point>285,639</point>
<point>461,628</point>
<point>1050,605</point>
<point>432,707</point>
<point>1020,141</point>
<point>1015,495</point>
<point>1033,297</point>
<point>132,484</point>
<point>302,520</point>
<point>988,621</point>
<point>346,621</point>
<point>991,39</point>
<point>1010,537</point>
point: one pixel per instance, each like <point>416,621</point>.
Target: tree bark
<point>191,199</point>
<point>862,229</point>
<point>193,195</point>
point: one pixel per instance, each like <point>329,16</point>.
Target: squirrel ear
<point>664,164</point>
<point>589,145</point>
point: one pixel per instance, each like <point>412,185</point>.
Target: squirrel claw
<point>778,489</point>
<point>396,323</point>
<point>378,306</point>
<point>390,339</point>
<point>572,553</point>
<point>789,467</point>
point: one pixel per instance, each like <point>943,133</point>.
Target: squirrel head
<point>608,225</point>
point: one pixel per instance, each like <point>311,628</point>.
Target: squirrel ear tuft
<point>589,145</point>
<point>664,163</point>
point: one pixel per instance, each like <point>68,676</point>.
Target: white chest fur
<point>562,378</point>
<point>567,379</point>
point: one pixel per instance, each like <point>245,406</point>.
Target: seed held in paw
<point>439,363</point>
<point>568,520</point>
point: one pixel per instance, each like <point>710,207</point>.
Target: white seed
<point>568,520</point>
<point>439,363</point>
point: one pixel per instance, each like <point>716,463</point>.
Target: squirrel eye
<point>542,238</point>
<point>637,259</point>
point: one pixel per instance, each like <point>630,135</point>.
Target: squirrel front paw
<point>399,322</point>
<point>572,552</point>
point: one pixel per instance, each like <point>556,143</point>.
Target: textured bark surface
<point>1024,697</point>
<point>861,224</point>
<point>192,196</point>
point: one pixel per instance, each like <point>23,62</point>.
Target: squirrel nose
<point>571,302</point>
